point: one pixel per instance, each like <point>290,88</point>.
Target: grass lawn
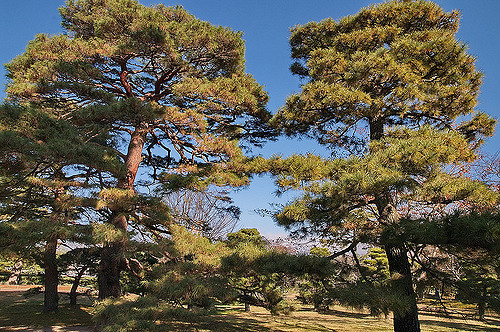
<point>15,310</point>
<point>344,319</point>
<point>339,319</point>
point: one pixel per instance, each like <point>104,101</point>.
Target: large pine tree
<point>170,89</point>
<point>386,86</point>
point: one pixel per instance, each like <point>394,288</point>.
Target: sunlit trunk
<point>112,254</point>
<point>15,275</point>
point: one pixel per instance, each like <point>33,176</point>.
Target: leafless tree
<point>208,213</point>
<point>487,169</point>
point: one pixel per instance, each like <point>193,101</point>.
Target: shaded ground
<point>48,329</point>
<point>337,320</point>
<point>18,313</point>
<point>344,320</point>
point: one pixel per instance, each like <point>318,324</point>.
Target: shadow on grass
<point>217,324</point>
<point>458,316</point>
<point>15,310</point>
<point>492,321</point>
<point>458,326</point>
<point>228,324</point>
<point>239,321</point>
<point>344,314</point>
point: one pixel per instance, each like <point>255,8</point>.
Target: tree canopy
<point>155,86</point>
<point>118,134</point>
<point>393,87</point>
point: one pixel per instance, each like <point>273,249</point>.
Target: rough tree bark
<point>406,320</point>
<point>481,307</point>
<point>112,254</point>
<point>51,298</point>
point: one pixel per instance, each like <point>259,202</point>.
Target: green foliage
<point>367,286</point>
<point>480,281</point>
<point>263,275</point>
<point>376,266</point>
<point>397,63</point>
<point>394,88</point>
<point>142,314</point>
<point>153,65</point>
<point>470,241</point>
<point>372,289</point>
<point>246,236</point>
<point>473,230</point>
<point>337,198</point>
<point>155,91</point>
<point>189,273</point>
<point>29,271</point>
<point>32,134</point>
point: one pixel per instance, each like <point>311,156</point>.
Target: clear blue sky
<point>266,24</point>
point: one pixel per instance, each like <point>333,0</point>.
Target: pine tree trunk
<point>407,320</point>
<point>399,265</point>
<point>51,298</point>
<point>109,270</point>
<point>481,308</point>
<point>15,276</point>
<point>247,307</point>
<point>112,254</point>
<point>73,293</point>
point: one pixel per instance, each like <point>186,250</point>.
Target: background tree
<point>263,274</point>
<point>208,213</point>
<point>11,266</point>
<point>254,287</point>
<point>470,241</point>
<point>76,263</point>
<point>387,85</point>
<point>316,289</point>
<point>170,89</point>
<point>487,169</point>
<point>480,282</point>
<point>181,281</point>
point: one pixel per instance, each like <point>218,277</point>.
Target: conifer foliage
<point>386,85</point>
<point>40,204</point>
<point>116,132</point>
<point>168,91</point>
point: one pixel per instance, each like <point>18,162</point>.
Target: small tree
<point>254,288</point>
<point>471,242</point>
<point>480,282</point>
<point>76,263</point>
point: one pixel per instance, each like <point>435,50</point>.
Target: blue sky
<point>265,25</point>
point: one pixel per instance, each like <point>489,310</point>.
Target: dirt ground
<point>49,329</point>
<point>23,288</point>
